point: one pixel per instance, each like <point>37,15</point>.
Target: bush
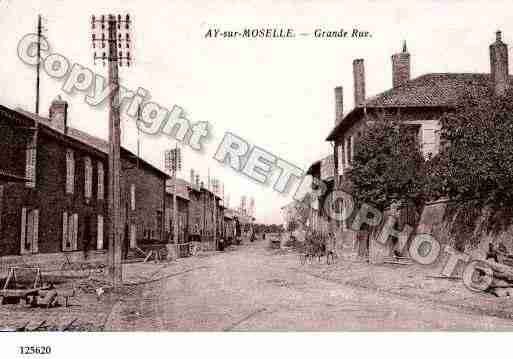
<point>477,163</point>
<point>388,166</point>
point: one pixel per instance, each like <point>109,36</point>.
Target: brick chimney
<point>339,104</point>
<point>359,82</point>
<point>401,67</point>
<point>499,64</point>
<point>58,114</point>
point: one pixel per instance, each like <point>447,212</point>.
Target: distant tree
<point>477,160</point>
<point>388,166</point>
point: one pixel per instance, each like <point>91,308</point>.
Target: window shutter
<point>133,241</point>
<point>70,232</point>
<point>70,172</point>
<point>35,240</point>
<point>29,239</point>
<point>1,206</point>
<point>340,159</point>
<point>132,196</point>
<point>346,158</point>
<point>99,238</point>
<point>101,176</point>
<point>350,150</point>
<point>75,232</point>
<point>428,141</point>
<point>88,174</point>
<point>23,230</point>
<point>167,220</point>
<point>30,169</point>
<point>65,227</point>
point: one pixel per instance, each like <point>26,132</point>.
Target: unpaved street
<point>254,288</point>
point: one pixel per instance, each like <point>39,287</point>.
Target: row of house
<point>54,195</point>
<point>417,102</point>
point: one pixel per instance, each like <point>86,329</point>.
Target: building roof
<point>85,138</point>
<point>430,90</point>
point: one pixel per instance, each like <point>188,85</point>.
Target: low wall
<point>52,261</point>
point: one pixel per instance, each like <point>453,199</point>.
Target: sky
<point>277,94</point>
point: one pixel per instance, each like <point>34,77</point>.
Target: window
<point>340,159</point>
<point>69,231</point>
<point>88,177</point>
<point>30,166</point>
<point>70,172</point>
<point>133,238</point>
<point>29,231</point>
<point>99,233</point>
<point>132,197</point>
<point>101,177</point>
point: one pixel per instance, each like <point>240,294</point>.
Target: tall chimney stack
<point>359,82</point>
<point>499,65</point>
<point>339,104</point>
<point>58,114</point>
<point>401,67</point>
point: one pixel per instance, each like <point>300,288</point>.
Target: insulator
<point>127,36</point>
<point>104,56</point>
<point>92,22</point>
<point>120,54</point>
<point>127,21</point>
<point>128,55</point>
<point>103,44</point>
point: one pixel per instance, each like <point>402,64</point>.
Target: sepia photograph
<point>325,170</point>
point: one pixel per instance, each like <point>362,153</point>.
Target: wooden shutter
<point>75,232</point>
<point>167,220</point>
<point>429,141</point>
<point>1,207</point>
<point>133,233</point>
<point>132,197</point>
<point>99,234</point>
<point>101,176</point>
<point>340,159</point>
<point>88,177</point>
<point>30,169</point>
<point>35,236</point>
<point>23,231</point>
<point>65,227</point>
<point>70,171</point>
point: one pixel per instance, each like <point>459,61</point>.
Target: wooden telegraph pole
<point>38,67</point>
<point>214,190</point>
<point>108,30</point>
<point>173,163</point>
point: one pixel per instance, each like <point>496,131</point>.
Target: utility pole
<point>173,163</point>
<point>109,26</point>
<point>214,190</point>
<point>38,66</point>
